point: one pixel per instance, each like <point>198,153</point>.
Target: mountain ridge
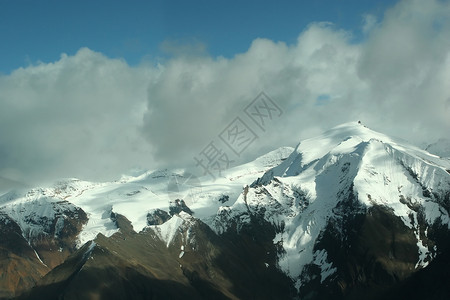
<point>349,212</point>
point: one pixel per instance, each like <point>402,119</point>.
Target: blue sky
<point>32,31</point>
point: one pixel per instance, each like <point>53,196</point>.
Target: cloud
<point>77,117</point>
<point>194,99</point>
<point>406,66</point>
<point>90,116</point>
<point>369,23</point>
<point>394,81</point>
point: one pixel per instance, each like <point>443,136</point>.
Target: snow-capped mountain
<point>349,170</point>
<point>349,213</point>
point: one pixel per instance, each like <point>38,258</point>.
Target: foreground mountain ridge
<point>351,212</point>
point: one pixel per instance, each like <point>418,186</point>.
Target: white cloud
<point>194,99</point>
<point>78,116</point>
<point>369,23</point>
<point>88,115</point>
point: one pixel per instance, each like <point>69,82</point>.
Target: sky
<point>96,89</point>
<point>137,30</point>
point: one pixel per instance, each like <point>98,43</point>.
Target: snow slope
<point>131,196</point>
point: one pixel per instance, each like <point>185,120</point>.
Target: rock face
<point>157,217</point>
<point>36,236</point>
<point>350,214</point>
<point>198,264</point>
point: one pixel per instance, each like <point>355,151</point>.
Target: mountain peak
<point>355,129</point>
<point>350,198</point>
